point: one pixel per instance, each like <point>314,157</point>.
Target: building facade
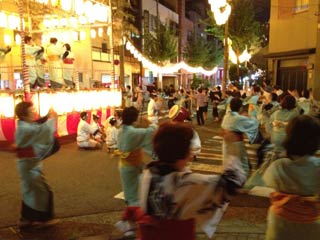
<point>293,56</point>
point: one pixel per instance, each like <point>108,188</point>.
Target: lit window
<point>301,5</point>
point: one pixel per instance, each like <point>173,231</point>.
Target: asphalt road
<point>85,182</point>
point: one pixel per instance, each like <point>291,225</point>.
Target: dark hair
<point>53,40</point>
<point>256,89</point>
<point>172,140</point>
<point>305,93</point>
<point>288,102</point>
<point>303,136</point>
<point>83,115</point>
<point>112,121</point>
<point>68,47</point>
<point>235,104</point>
<point>128,86</point>
<point>94,116</point>
<point>21,109</point>
<point>27,39</point>
<point>274,97</point>
<point>129,115</point>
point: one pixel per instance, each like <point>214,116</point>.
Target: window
<point>301,5</point>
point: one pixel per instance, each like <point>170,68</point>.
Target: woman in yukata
<point>34,141</point>
<point>295,204</point>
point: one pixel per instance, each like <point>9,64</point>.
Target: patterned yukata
<point>294,211</point>
<point>131,142</point>
<point>34,142</point>
<point>166,193</point>
<point>238,125</point>
<point>277,126</point>
<point>68,69</point>
<point>31,52</point>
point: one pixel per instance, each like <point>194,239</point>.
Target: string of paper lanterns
<point>168,68</point>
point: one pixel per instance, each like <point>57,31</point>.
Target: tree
<point>244,30</point>
<point>161,45</point>
<point>196,52</point>
<point>200,52</point>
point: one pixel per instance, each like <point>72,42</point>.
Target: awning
<point>307,51</point>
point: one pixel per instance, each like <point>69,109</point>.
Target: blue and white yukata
<point>235,124</point>
<point>295,207</point>
<point>253,105</point>
<point>34,142</point>
<point>277,125</point>
<point>131,142</point>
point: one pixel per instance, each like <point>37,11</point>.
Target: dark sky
<point>262,8</point>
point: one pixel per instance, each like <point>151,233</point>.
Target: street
<point>85,182</point>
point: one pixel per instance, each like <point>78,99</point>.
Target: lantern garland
<point>168,68</point>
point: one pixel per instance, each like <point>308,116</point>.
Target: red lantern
<point>116,62</point>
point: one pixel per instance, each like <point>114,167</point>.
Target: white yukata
<point>68,69</point>
<point>31,52</point>
<point>153,111</point>
<point>34,143</point>
<point>54,53</point>
<point>238,125</point>
<point>84,132</point>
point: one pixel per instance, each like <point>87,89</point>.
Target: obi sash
<point>26,152</point>
<point>232,136</point>
<point>53,57</point>
<point>133,158</point>
<point>29,57</point>
<point>295,208</point>
<point>68,61</point>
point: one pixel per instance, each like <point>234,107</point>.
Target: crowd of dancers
<point>284,124</point>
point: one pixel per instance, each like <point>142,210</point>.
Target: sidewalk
<point>100,227</point>
<point>241,221</point>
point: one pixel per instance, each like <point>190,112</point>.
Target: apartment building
<point>293,56</point>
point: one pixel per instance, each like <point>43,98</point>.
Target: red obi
<point>26,152</point>
<point>68,61</point>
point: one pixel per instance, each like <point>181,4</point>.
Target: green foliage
<point>161,46</point>
<point>202,53</point>
<point>233,72</point>
<point>244,30</point>
<point>123,18</point>
<point>198,81</point>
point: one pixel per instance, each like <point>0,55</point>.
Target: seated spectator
<point>295,206</point>
<point>85,132</point>
<point>98,134</point>
<point>112,135</point>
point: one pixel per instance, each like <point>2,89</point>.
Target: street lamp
<point>221,10</point>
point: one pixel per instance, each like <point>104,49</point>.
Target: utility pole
<point>111,48</point>
<point>226,59</point>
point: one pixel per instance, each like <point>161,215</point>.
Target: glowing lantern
<point>45,100</point>
<point>63,22</point>
<point>82,20</point>
<point>7,39</point>
<point>7,105</point>
<point>75,36</point>
<point>65,5</point>
<point>3,20</point>
<point>93,33</point>
<point>82,35</point>
<point>17,39</point>
<point>79,7</point>
<point>100,32</point>
<point>73,22</point>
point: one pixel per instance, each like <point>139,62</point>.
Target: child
<point>112,135</point>
<point>98,134</point>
